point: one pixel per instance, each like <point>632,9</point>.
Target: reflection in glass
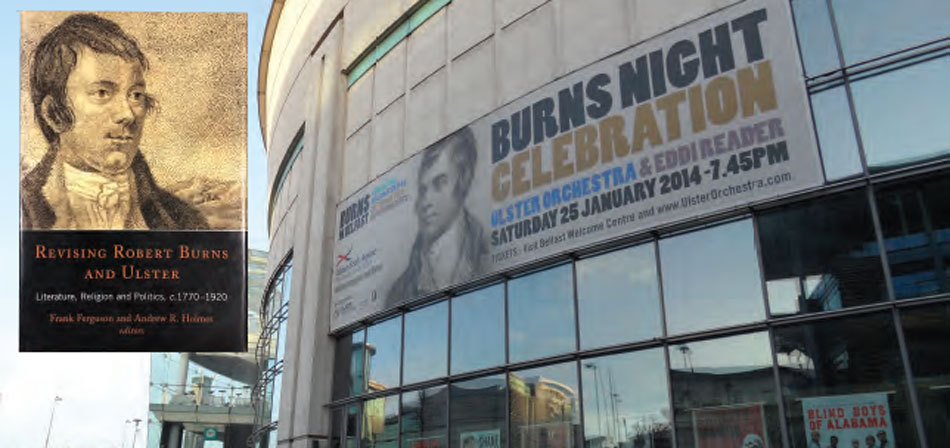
<point>544,407</point>
<point>281,334</point>
<point>626,401</point>
<point>426,345</point>
<point>903,113</point>
<point>839,147</point>
<point>275,407</point>
<point>383,354</point>
<point>847,360</point>
<point>381,423</point>
<point>336,428</point>
<point>618,297</point>
<point>348,366</point>
<point>423,418</point>
<point>927,332</point>
<point>711,278</point>
<point>478,329</point>
<point>870,28</point>
<point>352,421</point>
<point>477,409</point>
<point>821,255</point>
<point>724,392</point>
<point>541,314</point>
<point>915,221</point>
<point>815,37</point>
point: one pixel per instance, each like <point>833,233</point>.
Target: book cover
<point>133,181</point>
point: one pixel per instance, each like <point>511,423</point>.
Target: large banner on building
<point>730,427</point>
<point>842,420</point>
<point>708,116</point>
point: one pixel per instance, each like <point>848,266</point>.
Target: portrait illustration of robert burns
<point>89,97</point>
<point>450,246</point>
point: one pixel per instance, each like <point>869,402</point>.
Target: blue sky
<point>100,391</point>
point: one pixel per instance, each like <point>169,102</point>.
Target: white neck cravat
<point>97,201</point>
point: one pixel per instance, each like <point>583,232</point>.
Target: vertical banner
<point>730,427</point>
<point>133,181</point>
<point>846,420</point>
<point>708,116</point>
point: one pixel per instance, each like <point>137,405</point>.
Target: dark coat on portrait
<point>160,209</point>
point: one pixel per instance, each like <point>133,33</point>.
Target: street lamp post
<point>52,412</point>
<point>136,431</point>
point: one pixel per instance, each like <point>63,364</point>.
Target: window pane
<point>711,278</point>
<point>423,418</point>
<point>618,297</point>
<point>348,366</point>
<point>903,113</point>
<point>839,148</point>
<point>541,314</point>
<point>275,407</point>
<point>927,333</point>
<point>478,329</point>
<point>352,427</point>
<point>815,37</point>
<point>915,220</point>
<point>382,350</point>
<point>381,423</point>
<point>281,337</point>
<point>844,372</point>
<point>821,255</point>
<point>477,409</point>
<point>626,399</point>
<point>544,407</point>
<point>427,342</point>
<point>285,290</point>
<point>724,392</point>
<point>870,28</point>
<point>336,428</point>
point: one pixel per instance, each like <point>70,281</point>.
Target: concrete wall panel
<point>425,120</point>
<point>426,48</point>
<point>388,133</point>
<point>472,91</point>
<point>525,53</point>
<point>390,78</point>
<point>470,22</point>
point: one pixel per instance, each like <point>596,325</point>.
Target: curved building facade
<point>606,223</point>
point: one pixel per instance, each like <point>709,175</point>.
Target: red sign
<point>730,427</point>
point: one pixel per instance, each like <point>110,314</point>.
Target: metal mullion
<point>847,88</point>
<point>780,393</point>
<point>507,332</point>
<point>915,302</point>
<point>909,380</point>
<point>448,337</point>
<point>659,282</point>
<point>879,233</point>
<point>398,417</point>
<point>577,347</point>
<point>402,345</point>
<point>669,395</point>
<point>801,57</point>
<point>833,314</point>
<point>507,408</point>
<point>760,258</point>
<point>580,399</point>
<point>575,302</point>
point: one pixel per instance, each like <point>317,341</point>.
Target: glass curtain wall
<point>270,357</point>
<point>811,321</point>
